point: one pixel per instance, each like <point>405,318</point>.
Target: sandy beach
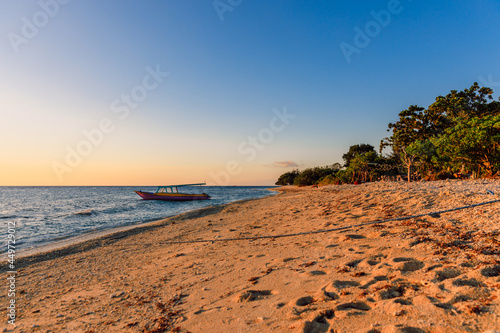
<point>437,273</point>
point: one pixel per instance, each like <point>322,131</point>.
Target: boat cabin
<point>173,189</point>
<point>167,189</point>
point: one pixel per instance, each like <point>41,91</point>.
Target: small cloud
<point>284,164</point>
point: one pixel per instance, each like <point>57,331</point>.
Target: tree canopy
<point>454,133</point>
<point>357,150</point>
<point>458,133</point>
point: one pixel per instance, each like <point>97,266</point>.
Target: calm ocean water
<point>47,214</point>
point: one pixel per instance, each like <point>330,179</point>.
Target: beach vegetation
<point>357,150</point>
<point>472,144</point>
<point>312,176</point>
<point>288,178</point>
<point>457,136</point>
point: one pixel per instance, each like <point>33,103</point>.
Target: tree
<point>420,153</point>
<point>412,125</point>
<point>312,176</point>
<point>458,131</point>
<point>415,133</point>
<point>336,166</point>
<point>359,166</point>
<point>473,142</point>
<point>469,103</point>
<point>357,150</point>
<point>287,178</point>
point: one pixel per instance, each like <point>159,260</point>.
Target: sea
<point>45,215</point>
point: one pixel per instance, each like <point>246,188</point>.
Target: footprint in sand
<point>315,327</point>
<point>492,271</point>
<point>303,301</point>
<point>467,282</point>
<point>408,264</point>
<point>319,324</point>
<point>252,295</point>
<point>392,292</point>
<point>447,273</point>
<point>326,296</point>
<point>374,280</point>
<point>353,263</point>
<point>345,284</point>
<point>350,237</point>
<point>354,306</point>
<point>373,260</point>
<point>433,267</point>
<point>409,329</point>
<point>403,301</point>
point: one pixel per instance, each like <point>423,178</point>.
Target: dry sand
<point>431,274</point>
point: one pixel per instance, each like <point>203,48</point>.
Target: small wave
<point>85,212</point>
<point>5,248</point>
<point>8,217</point>
<point>119,209</point>
<point>18,242</point>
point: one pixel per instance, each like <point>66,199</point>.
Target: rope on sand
<point>432,214</point>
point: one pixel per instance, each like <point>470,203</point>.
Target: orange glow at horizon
<point>100,174</point>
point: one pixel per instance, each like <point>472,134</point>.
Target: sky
<point>231,92</point>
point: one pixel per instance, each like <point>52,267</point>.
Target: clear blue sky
<point>65,68</point>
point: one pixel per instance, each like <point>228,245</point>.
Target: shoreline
<point>32,244</point>
<point>94,239</point>
<point>96,234</point>
<point>431,274</point>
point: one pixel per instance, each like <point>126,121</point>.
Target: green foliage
<point>421,154</point>
<point>309,176</point>
<point>312,176</point>
<point>469,103</point>
<point>448,134</point>
<point>458,132</point>
<point>287,178</point>
<point>360,169</point>
<point>329,179</point>
<point>473,142</point>
<point>345,176</point>
<point>424,150</point>
<point>355,151</point>
<point>413,125</point>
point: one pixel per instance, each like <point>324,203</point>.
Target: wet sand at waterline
<point>429,274</point>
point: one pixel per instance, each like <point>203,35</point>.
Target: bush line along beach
<point>457,136</point>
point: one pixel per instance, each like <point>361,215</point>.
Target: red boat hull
<point>172,196</point>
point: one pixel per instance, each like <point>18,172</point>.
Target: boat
<point>171,193</point>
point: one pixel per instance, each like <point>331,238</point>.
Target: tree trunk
<point>462,169</point>
<point>408,160</point>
